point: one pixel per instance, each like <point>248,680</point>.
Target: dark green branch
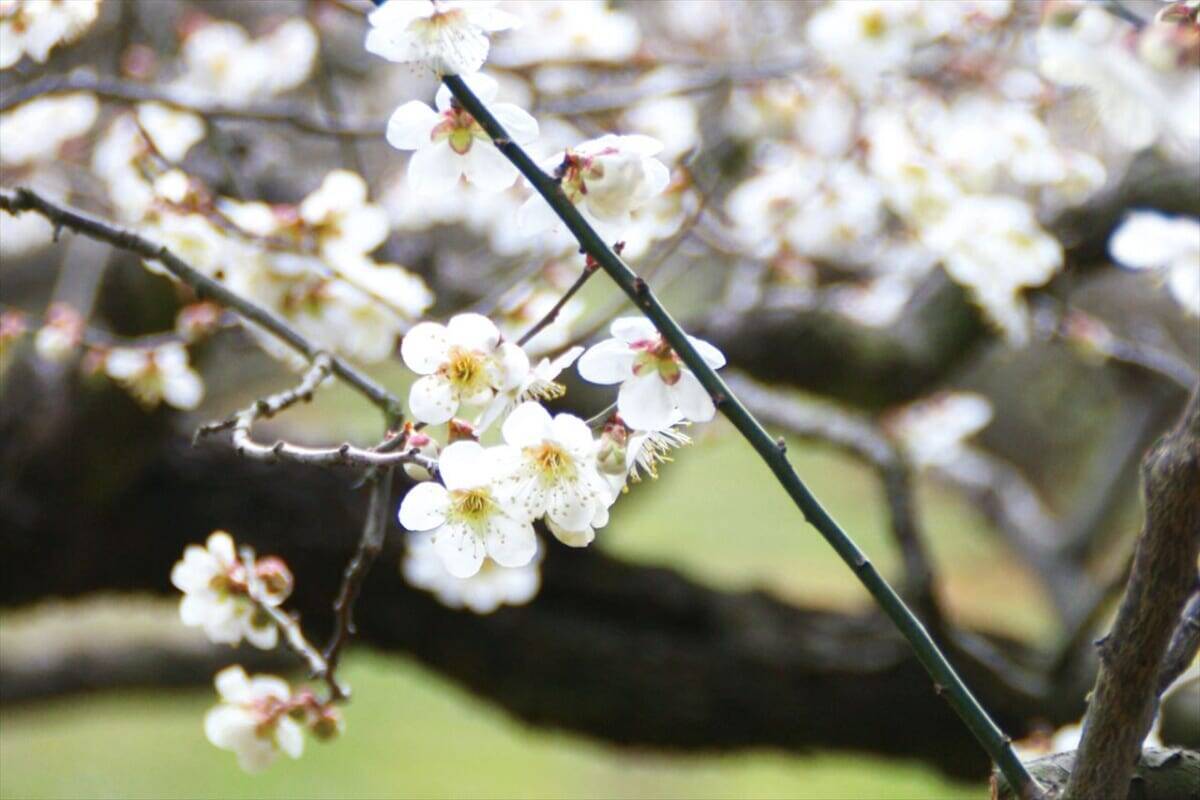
<point>946,681</point>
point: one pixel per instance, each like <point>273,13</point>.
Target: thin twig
<point>23,199</point>
<point>863,439</point>
<point>288,625</point>
<point>622,97</point>
<point>374,530</point>
<point>269,406</point>
<point>331,104</point>
<point>115,90</point>
<point>589,269</point>
<point>946,680</point>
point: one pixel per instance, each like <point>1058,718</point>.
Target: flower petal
<point>510,542</point>
<point>183,390</point>
<point>425,347</point>
<point>435,169</point>
<point>410,125</point>
<point>473,331</point>
<point>520,126</point>
<point>536,216</point>
<point>573,434</point>
<point>432,400</point>
<point>464,465</point>
<point>711,355</point>
<point>481,84</point>
<point>568,508</point>
<point>487,169</point>
<point>460,550</point>
<point>529,424</point>
<point>633,329</point>
<point>290,737</point>
<point>644,403</point>
<point>692,398</point>
<point>580,538</point>
<point>610,361</point>
<point>424,507</point>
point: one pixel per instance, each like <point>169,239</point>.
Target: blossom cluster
<point>854,180</point>
<point>868,166</point>
<point>227,594</point>
<point>35,27</point>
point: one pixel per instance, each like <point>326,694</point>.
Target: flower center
<point>459,129</point>
<point>465,370</point>
<point>655,355</point>
<point>471,505</point>
<point>874,25</point>
<point>552,462</point>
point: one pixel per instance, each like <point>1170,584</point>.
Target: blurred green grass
<point>715,514</point>
<point>411,734</point>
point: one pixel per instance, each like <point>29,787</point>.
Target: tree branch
<point>1160,774</point>
<point>1185,643</point>
<point>1131,655</point>
<point>379,512</point>
<point>626,653</point>
<point>116,90</point>
<point>62,217</point>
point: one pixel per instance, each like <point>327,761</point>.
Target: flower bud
<point>61,334</point>
<point>197,320</point>
<point>460,430</point>
<point>276,578</point>
<point>327,723</point>
<point>611,457</point>
<point>424,444</point>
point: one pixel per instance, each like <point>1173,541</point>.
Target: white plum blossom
<point>213,581</point>
<point>348,320</point>
<point>484,592</point>
<point>933,431</point>
<point>448,36</point>
<point>674,121</point>
<point>1137,102</point>
<point>522,307</point>
<point>656,388</point>
<point>252,719</point>
<point>566,30</point>
<point>391,284</point>
<point>35,27</point>
<point>57,339</point>
<point>467,518</point>
<point>172,132</point>
<point>539,384</point>
<point>193,238</point>
<point>461,363</point>
<point>626,455</point>
<point>449,144</point>
<point>156,374</point>
<point>549,469</point>
<point>1170,246</point>
<point>607,178</point>
<point>345,223</point>
<point>994,246</point>
<point>864,39</point>
<point>224,64</point>
<point>35,131</point>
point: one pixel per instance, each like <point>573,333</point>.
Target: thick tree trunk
<point>1160,774</point>
<point>97,496</point>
